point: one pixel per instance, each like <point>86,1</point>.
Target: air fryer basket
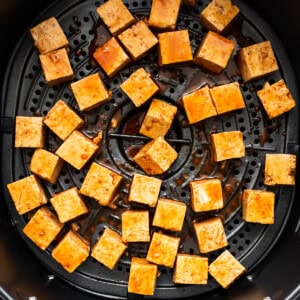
<point>26,93</point>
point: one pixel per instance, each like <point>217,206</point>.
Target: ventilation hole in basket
<point>163,271</point>
<point>54,187</point>
<point>247,242</point>
<point>227,124</point>
<point>120,268</point>
<point>127,270</point>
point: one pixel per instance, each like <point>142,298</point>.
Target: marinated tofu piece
<point>276,99</point>
<point>144,189</point>
<point>218,15</point>
<point>174,47</point>
<point>43,228</point>
<point>226,269</point>
<point>190,269</point>
<point>115,15</point>
<point>71,251</point>
<point>109,248</point>
<point>90,92</point>
<point>29,132</point>
<point>139,87</point>
<point>101,184</point>
<point>142,277</point>
<point>210,234</point>
<point>77,149</point>
<point>206,194</point>
<point>111,57</point>
<point>280,169</point>
<point>156,157</point>
<point>138,40</point>
<point>158,119</point>
<point>169,214</point>
<point>48,35</point>
<point>228,145</point>
<point>257,61</point>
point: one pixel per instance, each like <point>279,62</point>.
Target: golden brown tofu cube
<point>174,47</point>
<point>226,269</point>
<point>139,87</point>
<point>77,149</point>
<point>190,269</point>
<point>46,165</point>
<point>218,15</point>
<point>144,189</point>
<point>276,99</point>
<point>111,57</point>
<point>228,145</point>
<point>71,251</point>
<point>27,194</point>
<point>280,169</point>
<point>101,184</point>
<point>43,227</point>
<point>169,214</point>
<point>109,248</point>
<point>198,105</point>
<point>29,132</point>
<point>142,277</point>
<point>135,226</point>
<point>48,36</point>
<point>258,206</point>
<point>210,234</point>
<point>115,16</point>
<point>257,61</point>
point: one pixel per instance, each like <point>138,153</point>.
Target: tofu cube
<point>228,145</point>
<point>109,248</point>
<point>46,165</point>
<point>190,269</point>
<point>226,269</point>
<point>198,105</point>
<point>163,249</point>
<point>142,277</point>
<point>71,251</point>
<point>48,36</point>
<point>158,119</point>
<point>77,149</point>
<point>174,47</point>
<point>206,194</point>
<point>280,169</point>
<point>111,57</point>
<point>27,194</point>
<point>144,189</point>
<point>258,206</point>
<point>56,67</point>
<point>135,226</point>
<point>139,87</point>
<point>169,214</point>
<point>43,228</point>
<point>218,15</point>
<point>257,61</point>
<point>90,92</point>
<point>210,234</point>
<point>101,184</point>
<point>29,132</point>
<point>115,15</point>
<point>276,99</point>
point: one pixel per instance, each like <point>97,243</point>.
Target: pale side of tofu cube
<point>276,99</point>
<point>109,248</point>
<point>101,184</point>
<point>144,189</point>
<point>225,269</point>
<point>27,194</point>
<point>71,251</point>
<point>115,15</point>
<point>90,92</point>
<point>43,228</point>
<point>29,132</point>
<point>280,169</point>
<point>139,87</point>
